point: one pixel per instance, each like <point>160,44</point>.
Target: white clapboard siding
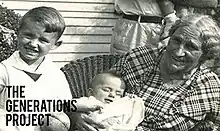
<point>89,26</point>
<point>85,38</point>
<point>69,56</point>
<point>62,59</point>
<point>63,5</point>
<point>88,30</point>
<point>72,14</point>
<point>104,48</point>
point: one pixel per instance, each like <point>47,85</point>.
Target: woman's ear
<point>56,45</point>
<point>90,91</point>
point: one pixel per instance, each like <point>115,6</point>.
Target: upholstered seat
<point>79,73</point>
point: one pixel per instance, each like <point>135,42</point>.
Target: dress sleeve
<point>202,101</point>
<point>133,65</point>
<point>209,96</point>
<point>124,67</point>
<point>214,101</point>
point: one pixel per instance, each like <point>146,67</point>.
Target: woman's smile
<point>178,59</point>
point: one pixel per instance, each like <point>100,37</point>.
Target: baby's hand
<point>85,104</point>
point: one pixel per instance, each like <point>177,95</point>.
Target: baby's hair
<point>111,73</point>
<point>48,17</point>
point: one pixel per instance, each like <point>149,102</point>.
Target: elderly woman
<point>179,92</point>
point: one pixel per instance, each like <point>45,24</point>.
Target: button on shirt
<point>138,7</point>
<point>175,107</point>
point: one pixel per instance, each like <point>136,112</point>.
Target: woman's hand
<point>85,123</point>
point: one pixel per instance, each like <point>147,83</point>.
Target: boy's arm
<point>3,75</point>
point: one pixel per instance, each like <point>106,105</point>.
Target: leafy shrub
<point>8,43</point>
<point>216,16</point>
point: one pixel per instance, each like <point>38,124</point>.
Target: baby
<point>118,113</point>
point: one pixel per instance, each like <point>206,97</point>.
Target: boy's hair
<point>111,73</point>
<point>49,17</point>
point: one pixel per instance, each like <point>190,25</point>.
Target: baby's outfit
<point>122,114</point>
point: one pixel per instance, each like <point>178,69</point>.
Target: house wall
<point>89,26</point>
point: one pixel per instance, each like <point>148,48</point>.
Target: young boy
<point>39,32</point>
<point>118,113</point>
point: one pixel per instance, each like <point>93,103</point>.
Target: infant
<point>118,113</point>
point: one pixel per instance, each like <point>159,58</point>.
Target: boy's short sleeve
<point>3,81</point>
<point>3,75</point>
<point>63,86</point>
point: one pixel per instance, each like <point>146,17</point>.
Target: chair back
<point>80,72</point>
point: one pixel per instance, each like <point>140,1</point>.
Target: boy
<point>39,32</point>
<point>118,113</point>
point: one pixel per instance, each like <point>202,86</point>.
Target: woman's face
<point>183,50</point>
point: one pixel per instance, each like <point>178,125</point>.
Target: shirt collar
<point>36,68</point>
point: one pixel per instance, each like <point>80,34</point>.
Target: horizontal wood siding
<point>89,26</point>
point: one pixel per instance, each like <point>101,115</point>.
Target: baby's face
<point>34,42</point>
<point>108,88</point>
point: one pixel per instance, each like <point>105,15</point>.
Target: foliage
<point>10,20</point>
<point>216,16</point>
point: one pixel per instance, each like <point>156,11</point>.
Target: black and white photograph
<point>109,65</point>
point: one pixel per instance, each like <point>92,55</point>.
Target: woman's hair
<point>49,17</point>
<point>210,33</point>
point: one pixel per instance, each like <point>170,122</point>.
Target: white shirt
<point>51,84</point>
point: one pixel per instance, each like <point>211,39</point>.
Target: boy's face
<point>34,42</point>
<point>108,88</point>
